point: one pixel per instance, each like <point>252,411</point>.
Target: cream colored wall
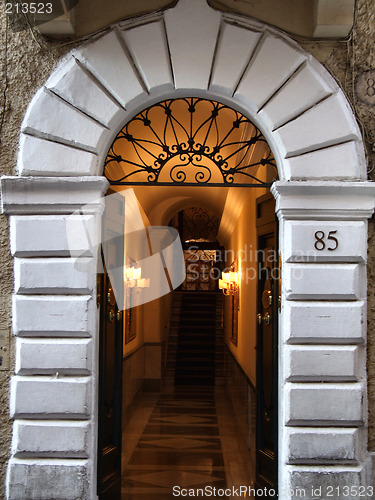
<point>242,245</point>
<point>151,317</point>
<point>156,319</point>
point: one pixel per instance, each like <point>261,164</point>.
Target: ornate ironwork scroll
<point>189,141</point>
<point>199,224</point>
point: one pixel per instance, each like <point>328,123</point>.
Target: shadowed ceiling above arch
<point>307,18</point>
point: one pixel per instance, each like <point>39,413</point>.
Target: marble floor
<point>183,440</point>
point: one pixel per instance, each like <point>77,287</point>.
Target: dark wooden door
<point>110,296</point>
<point>267,343</point>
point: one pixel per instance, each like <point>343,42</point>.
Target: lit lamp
<point>132,278</point>
<point>229,282</point>
<point>143,283</point>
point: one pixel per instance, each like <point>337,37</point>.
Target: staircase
<point>195,347</point>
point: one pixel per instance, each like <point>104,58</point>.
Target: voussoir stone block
<point>322,322</point>
<point>235,47</point>
<point>40,438</point>
<point>331,445</point>
<point>40,157</point>
<point>322,405</point>
<point>54,276</point>
<point>53,315</point>
<point>147,44</point>
<point>67,82</point>
<point>321,363</point>
<point>50,397</point>
<point>323,281</point>
<point>329,122</point>
<point>273,63</point>
<point>63,356</point>
<point>30,479</point>
<point>344,161</point>
<point>116,73</point>
<point>304,89</point>
<point>50,117</point>
<point>47,235</point>
<point>192,29</point>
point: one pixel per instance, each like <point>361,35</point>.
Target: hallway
<point>185,439</point>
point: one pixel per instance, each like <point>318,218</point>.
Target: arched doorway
<point>180,151</point>
<point>318,149</point>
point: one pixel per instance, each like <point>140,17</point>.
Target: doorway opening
<point>187,164</point>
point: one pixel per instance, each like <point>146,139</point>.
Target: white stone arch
<point>68,128</point>
<point>192,50</point>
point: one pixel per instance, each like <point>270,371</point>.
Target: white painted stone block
<point>69,79</point>
<point>46,235</point>
<point>274,62</point>
<point>323,281</point>
<point>304,89</point>
<point>40,438</point>
<point>52,315</point>
<point>116,73</point>
<point>49,117</point>
<point>192,29</point>
<point>345,161</point>
<point>50,397</point>
<point>147,44</point>
<point>328,123</point>
<point>324,322</point>
<point>323,200</point>
<point>40,157</point>
<point>334,482</point>
<point>34,479</point>
<point>331,445</point>
<point>324,404</point>
<point>45,357</point>
<point>321,363</point>
<point>342,241</point>
<point>235,47</point>
<point>39,195</point>
<point>54,276</point>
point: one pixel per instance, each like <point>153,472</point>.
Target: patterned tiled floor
<point>174,440</point>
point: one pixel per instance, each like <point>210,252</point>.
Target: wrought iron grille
<point>190,141</point>
<point>199,224</point>
<point>202,269</point>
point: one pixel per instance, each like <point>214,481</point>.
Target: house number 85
<point>320,243</point>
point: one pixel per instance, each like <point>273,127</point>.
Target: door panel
<point>110,355</point>
<point>267,344</point>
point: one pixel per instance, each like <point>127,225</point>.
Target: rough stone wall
<point>346,61</point>
<point>28,66</point>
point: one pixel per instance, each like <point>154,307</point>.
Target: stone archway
<point>321,198</point>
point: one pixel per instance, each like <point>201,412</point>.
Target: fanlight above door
<point>190,141</point>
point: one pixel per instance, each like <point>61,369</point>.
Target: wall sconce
<point>229,283</point>
<point>132,278</point>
